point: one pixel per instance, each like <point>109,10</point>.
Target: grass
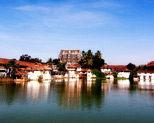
<point>121,78</point>
<point>99,78</point>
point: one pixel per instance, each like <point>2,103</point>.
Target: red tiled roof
<point>150,64</point>
<point>74,66</point>
<point>21,63</point>
<point>4,61</point>
<point>117,68</point>
<point>30,66</point>
<point>29,69</point>
<point>145,71</point>
<point>85,70</point>
<point>21,73</point>
<point>1,67</point>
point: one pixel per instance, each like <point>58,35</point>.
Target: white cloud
<point>104,5</point>
<point>33,8</point>
<point>79,20</point>
<point>69,15</point>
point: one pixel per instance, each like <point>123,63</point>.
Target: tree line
<point>91,60</point>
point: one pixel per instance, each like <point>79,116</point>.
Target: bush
<point>40,78</point>
<point>1,76</point>
<point>98,73</point>
<point>115,74</point>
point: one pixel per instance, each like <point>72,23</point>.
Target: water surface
<point>77,101</point>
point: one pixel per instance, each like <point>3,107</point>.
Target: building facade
<point>70,56</point>
<point>121,70</point>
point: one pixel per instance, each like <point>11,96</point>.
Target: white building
<point>124,74</point>
<point>38,70</point>
<point>122,70</point>
<point>75,71</point>
<point>146,75</point>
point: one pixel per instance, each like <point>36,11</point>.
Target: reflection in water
<point>70,94</point>
<point>35,90</point>
<point>146,85</point>
<point>123,84</point>
<point>92,96</point>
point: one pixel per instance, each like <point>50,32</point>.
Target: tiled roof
<point>145,71</point>
<point>29,65</point>
<point>85,70</point>
<point>74,66</point>
<point>1,67</point>
<point>21,73</point>
<point>21,63</point>
<point>150,64</point>
<point>4,61</point>
<point>117,68</point>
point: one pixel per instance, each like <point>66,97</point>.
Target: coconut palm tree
<point>98,54</point>
<point>49,62</point>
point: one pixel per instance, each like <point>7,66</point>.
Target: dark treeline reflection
<point>81,94</point>
<point>92,96</point>
<point>72,94</point>
<point>12,92</point>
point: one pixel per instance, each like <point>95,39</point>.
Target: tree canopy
<point>91,60</point>
<point>131,66</point>
<point>50,61</point>
<point>12,66</point>
<point>28,58</point>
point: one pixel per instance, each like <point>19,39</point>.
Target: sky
<point>123,30</point>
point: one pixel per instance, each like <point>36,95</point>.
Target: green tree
<point>49,62</point>
<point>28,58</point>
<point>131,66</point>
<point>56,61</point>
<point>61,67</point>
<point>98,54</point>
<point>115,74</point>
<point>98,73</point>
<point>12,66</point>
<point>25,57</point>
<point>97,60</point>
<point>90,60</point>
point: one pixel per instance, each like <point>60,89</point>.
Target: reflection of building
<point>146,85</point>
<point>70,56</point>
<point>81,94</point>
<point>37,91</point>
<point>123,84</point>
<point>70,95</point>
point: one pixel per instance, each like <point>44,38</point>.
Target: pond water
<point>77,101</point>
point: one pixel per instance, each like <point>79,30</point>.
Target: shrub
<point>1,76</point>
<point>40,78</point>
<point>98,73</point>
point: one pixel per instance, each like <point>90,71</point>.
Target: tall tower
<point>70,56</point>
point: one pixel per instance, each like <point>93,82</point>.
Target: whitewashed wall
<point>124,74</point>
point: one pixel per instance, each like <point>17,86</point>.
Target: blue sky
<point>123,30</point>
